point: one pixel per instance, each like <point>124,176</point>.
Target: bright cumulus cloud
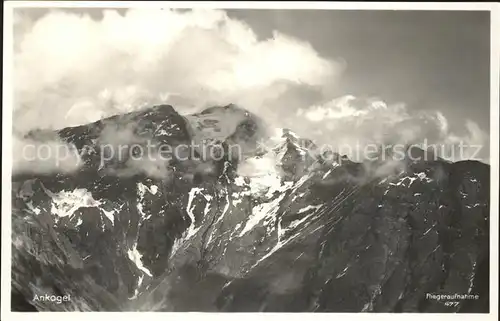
<point>91,68</point>
<point>339,108</point>
<point>353,122</point>
<point>70,69</point>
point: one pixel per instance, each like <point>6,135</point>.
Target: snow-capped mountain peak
<point>278,222</point>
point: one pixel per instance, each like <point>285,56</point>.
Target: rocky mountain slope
<point>276,227</point>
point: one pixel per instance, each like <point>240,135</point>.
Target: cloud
<point>154,167</point>
<point>349,124</point>
<point>93,68</point>
<point>339,108</point>
<point>44,157</point>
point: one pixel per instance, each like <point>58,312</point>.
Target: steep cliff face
<point>278,228</point>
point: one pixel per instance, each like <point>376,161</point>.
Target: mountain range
<point>279,226</point>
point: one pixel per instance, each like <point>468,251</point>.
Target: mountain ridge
<point>198,234</point>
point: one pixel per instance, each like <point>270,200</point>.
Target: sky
<point>427,59</point>
<point>347,76</point>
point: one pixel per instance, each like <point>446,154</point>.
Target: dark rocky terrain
<point>295,232</point>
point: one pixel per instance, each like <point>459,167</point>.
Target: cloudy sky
<point>427,59</point>
<point>352,75</point>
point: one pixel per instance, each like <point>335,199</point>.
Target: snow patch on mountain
<point>153,189</point>
<point>260,212</point>
<point>141,192</point>
<point>136,257</point>
<point>109,214</point>
<point>309,208</point>
<point>407,181</point>
<point>35,210</point>
<point>65,203</point>
<point>189,209</point>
